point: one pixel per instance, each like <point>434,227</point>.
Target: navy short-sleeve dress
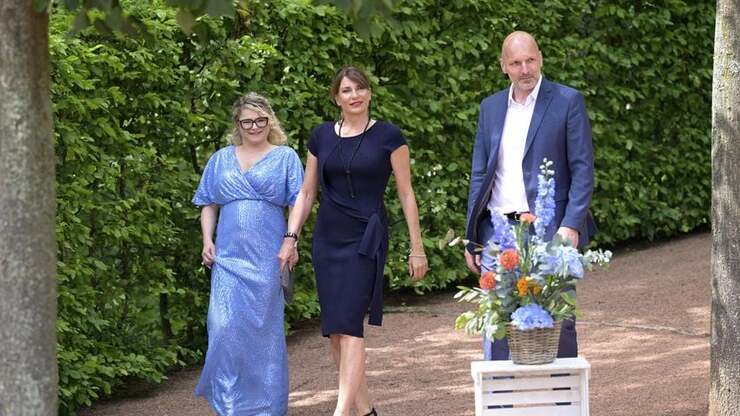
<point>350,240</point>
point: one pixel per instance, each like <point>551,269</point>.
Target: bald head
<point>521,60</point>
<point>518,40</point>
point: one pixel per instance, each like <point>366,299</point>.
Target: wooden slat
<point>534,411</point>
<point>504,374</point>
<point>478,395</point>
<point>501,367</point>
<point>531,397</point>
<point>530,383</point>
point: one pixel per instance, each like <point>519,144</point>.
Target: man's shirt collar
<point>532,97</point>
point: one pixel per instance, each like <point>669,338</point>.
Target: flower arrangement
<point>531,281</point>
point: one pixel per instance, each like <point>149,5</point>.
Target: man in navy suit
<point>518,127</point>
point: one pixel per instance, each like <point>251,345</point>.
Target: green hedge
<point>136,119</point>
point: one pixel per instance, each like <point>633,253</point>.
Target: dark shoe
<point>372,413</point>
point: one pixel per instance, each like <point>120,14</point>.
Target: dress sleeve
<point>293,177</point>
<point>313,142</point>
<point>394,139</point>
<point>204,195</point>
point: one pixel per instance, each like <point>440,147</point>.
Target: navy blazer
<point>559,131</point>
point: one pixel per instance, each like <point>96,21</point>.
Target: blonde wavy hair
<point>260,105</point>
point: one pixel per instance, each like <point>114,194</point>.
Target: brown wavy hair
<point>353,73</point>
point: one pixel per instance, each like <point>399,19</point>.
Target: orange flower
<point>521,286</point>
<point>509,259</point>
<point>536,289</point>
<point>487,281</point>
<point>527,217</point>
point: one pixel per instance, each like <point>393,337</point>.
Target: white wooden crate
<point>529,388</point>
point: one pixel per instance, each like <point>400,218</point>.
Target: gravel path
<point>644,329</point>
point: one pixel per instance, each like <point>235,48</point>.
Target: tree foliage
<point>136,119</point>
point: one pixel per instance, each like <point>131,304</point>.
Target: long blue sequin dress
<point>246,368</point>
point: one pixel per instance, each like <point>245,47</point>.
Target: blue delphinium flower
<point>502,234</point>
<point>563,261</point>
<point>544,204</point>
<point>530,317</point>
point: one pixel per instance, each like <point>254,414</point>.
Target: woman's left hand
<point>418,266</point>
<point>293,258</point>
<point>288,254</point>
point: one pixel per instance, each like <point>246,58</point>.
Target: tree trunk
<point>724,384</point>
<point>28,369</point>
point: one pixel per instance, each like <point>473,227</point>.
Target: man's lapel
<point>498,116</point>
<point>497,124</point>
<point>540,108</point>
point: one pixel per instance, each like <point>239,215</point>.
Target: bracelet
<point>418,255</point>
<point>294,236</point>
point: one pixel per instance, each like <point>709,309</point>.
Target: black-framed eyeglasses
<point>248,123</point>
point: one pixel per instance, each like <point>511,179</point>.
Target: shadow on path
<point>644,328</point>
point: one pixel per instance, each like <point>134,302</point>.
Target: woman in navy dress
<point>352,160</point>
<point>246,188</point>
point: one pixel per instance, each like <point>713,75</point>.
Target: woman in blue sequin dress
<point>244,191</point>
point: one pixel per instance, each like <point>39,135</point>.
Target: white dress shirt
<point>508,193</point>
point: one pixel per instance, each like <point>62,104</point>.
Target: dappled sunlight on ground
<point>312,397</point>
<point>644,329</point>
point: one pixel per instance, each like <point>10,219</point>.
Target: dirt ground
<point>644,329</point>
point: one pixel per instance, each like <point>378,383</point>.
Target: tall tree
<point>28,370</point>
<point>724,387</point>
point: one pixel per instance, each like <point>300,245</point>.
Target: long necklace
<point>347,163</point>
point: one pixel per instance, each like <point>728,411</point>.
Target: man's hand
<point>569,234</point>
<point>473,262</point>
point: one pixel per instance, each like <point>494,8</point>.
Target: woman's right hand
<point>208,254</point>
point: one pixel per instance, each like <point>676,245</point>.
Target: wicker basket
<point>536,346</point>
